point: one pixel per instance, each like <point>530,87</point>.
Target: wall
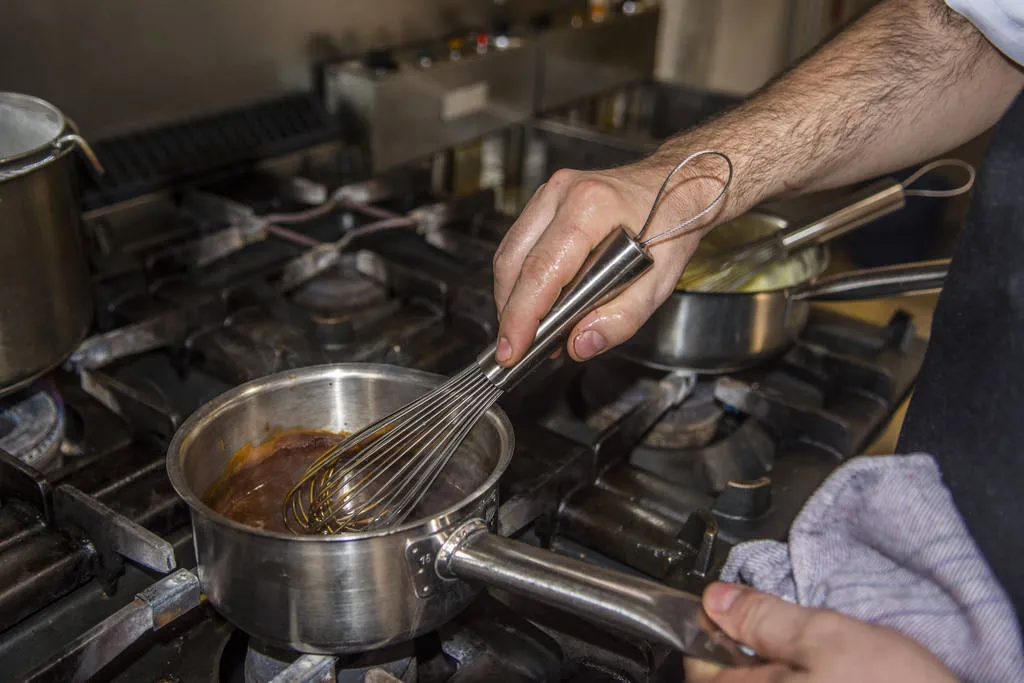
<point>735,46</point>
<point>753,46</point>
<point>731,46</point>
<point>114,65</point>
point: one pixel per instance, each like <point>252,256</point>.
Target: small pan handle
<point>875,283</point>
<point>869,204</point>
<point>633,605</point>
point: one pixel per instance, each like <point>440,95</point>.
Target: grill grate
<point>154,159</point>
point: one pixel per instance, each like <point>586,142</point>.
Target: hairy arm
<point>907,81</point>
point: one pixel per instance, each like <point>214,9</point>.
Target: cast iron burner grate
<point>608,389</point>
<point>261,664</point>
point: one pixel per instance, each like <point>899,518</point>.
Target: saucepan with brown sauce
<point>234,460</point>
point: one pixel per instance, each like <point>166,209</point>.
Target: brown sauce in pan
<point>257,479</point>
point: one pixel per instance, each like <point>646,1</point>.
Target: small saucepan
<point>725,331</point>
<point>358,592</point>
<point>717,332</point>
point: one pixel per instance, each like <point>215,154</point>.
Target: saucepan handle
<point>633,605</point>
<point>875,283</point>
<point>57,148</point>
<point>869,204</point>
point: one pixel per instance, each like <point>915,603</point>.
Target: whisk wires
<point>375,477</point>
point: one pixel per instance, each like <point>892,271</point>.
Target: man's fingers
<point>775,629</point>
<point>521,238</point>
<point>769,673</point>
<point>613,323</point>
<point>588,213</point>
<point>700,671</point>
<point>619,319</point>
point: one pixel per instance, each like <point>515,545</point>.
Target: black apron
<point>968,405</point>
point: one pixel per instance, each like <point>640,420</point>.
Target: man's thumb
<point>776,630</point>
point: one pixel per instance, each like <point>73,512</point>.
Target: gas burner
<point>31,428</point>
<point>607,391</point>
<point>342,289</point>
<point>692,424</point>
<point>343,301</point>
<point>264,663</point>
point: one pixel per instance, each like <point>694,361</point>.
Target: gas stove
<point>213,285</point>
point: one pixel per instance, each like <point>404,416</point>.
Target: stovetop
<point>192,299</point>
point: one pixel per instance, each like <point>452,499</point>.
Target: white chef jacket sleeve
<point>1001,21</point>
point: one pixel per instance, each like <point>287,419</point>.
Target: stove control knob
<point>745,499</point>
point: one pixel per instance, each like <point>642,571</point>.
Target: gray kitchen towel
<point>882,541</point>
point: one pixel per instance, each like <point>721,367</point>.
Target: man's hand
<point>810,645</point>
<point>566,218</point>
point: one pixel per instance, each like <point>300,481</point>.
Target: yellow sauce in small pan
<point>797,268</point>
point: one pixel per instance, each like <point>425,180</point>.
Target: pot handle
<point>873,202</point>
<point>875,283</point>
<point>636,606</point>
<point>56,149</point>
<point>869,204</point>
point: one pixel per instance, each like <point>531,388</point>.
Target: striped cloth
<point>882,541</point>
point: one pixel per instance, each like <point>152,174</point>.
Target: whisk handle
<point>611,267</point>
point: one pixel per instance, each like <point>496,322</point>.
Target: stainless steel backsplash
<point>117,65</point>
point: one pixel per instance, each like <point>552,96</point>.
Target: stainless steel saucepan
<point>714,332</point>
<point>357,592</point>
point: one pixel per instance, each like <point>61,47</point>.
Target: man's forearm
<point>908,81</point>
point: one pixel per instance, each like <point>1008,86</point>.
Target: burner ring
<point>32,428</point>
